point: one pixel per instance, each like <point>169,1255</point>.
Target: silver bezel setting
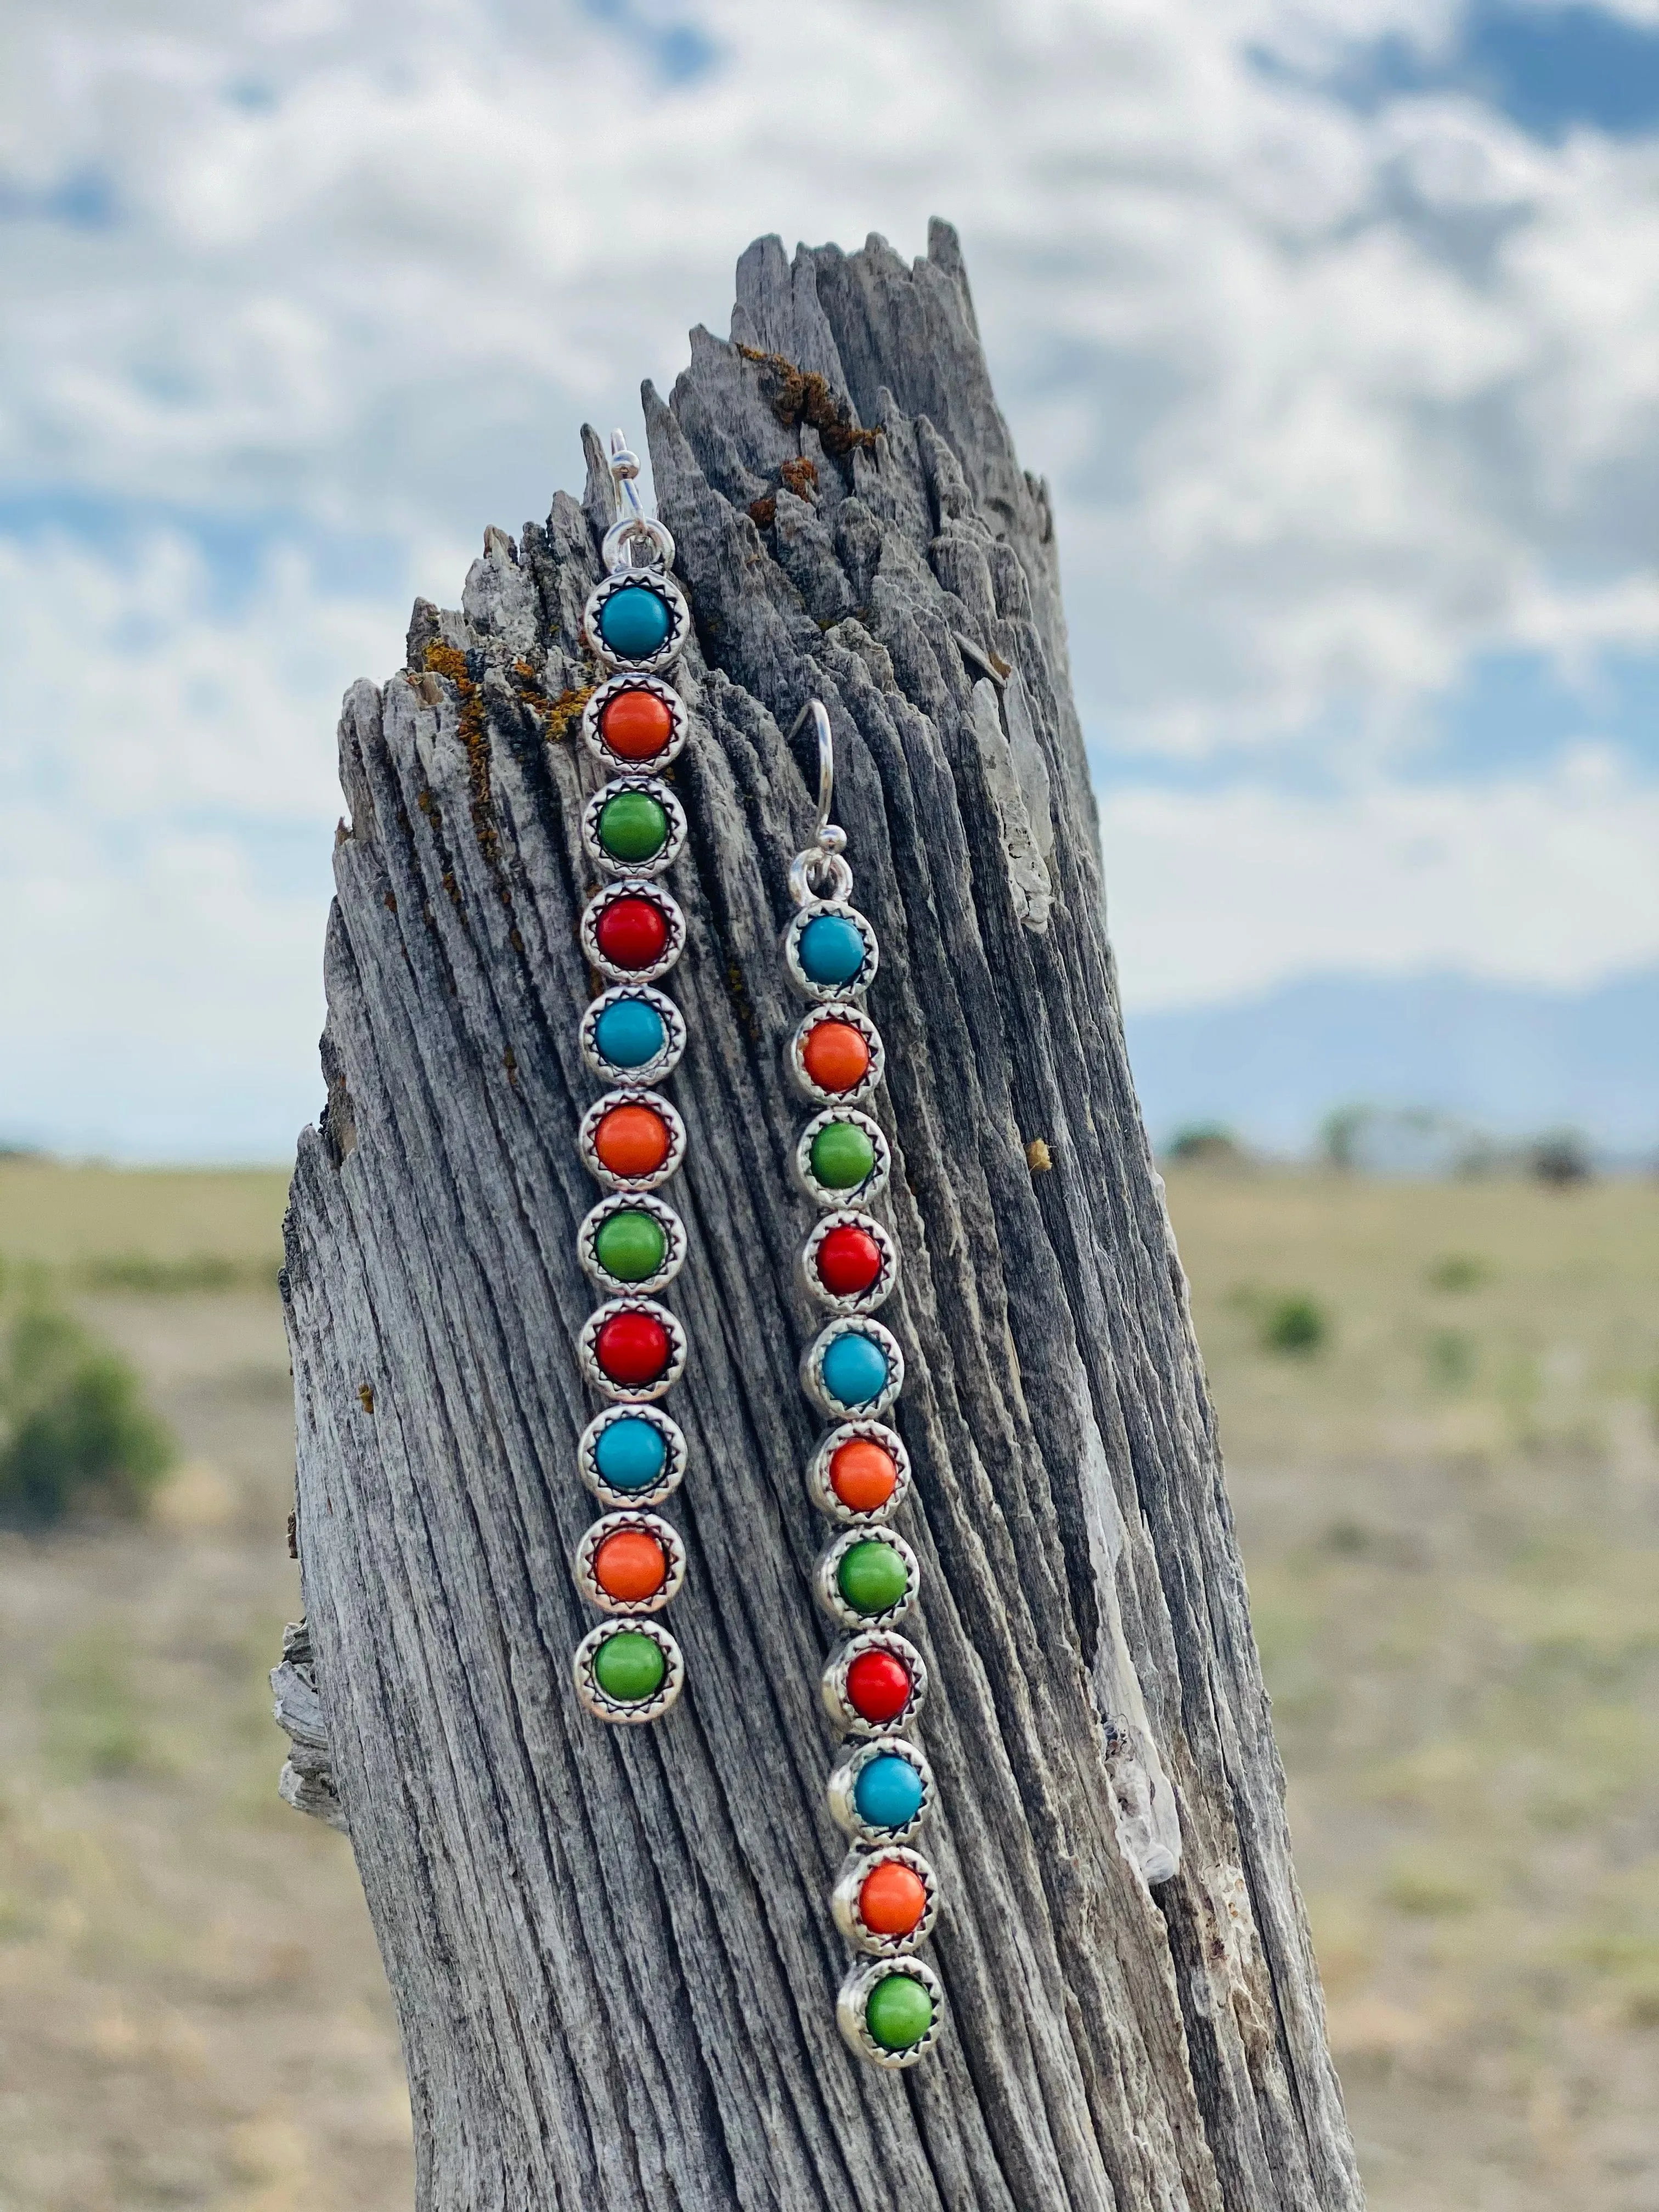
<point>632,680</point>
<point>829,1592</point>
<point>824,994</point>
<point>834,1682</point>
<point>859,1194</point>
<point>794,1054</point>
<point>631,1097</point>
<point>811,1369</point>
<point>819,1485</point>
<point>843,1784</point>
<point>605,1708</point>
<point>633,1202</point>
<point>853,1302</point>
<point>854,1997</point>
<point>652,1493</point>
<point>652,787</point>
<point>629,1393</point>
<point>653,894</point>
<point>649,1071</point>
<point>844,1901</point>
<point>630,1608</point>
<point>653,579</point>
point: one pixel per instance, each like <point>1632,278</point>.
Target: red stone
<point>877,1686</point>
<point>632,1349</point>
<point>632,932</point>
<point>848,1261</point>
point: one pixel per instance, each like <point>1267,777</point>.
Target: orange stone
<point>636,725</point>
<point>835,1056</point>
<point>632,1140</point>
<point>862,1475</point>
<point>892,1899</point>
<point>630,1565</point>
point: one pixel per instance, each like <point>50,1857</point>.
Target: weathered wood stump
<point>610,1948</point>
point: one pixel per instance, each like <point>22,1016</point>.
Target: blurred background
<point>1334,326</point>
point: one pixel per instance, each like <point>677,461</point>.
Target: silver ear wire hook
<point>632,522</point>
<point>821,872</point>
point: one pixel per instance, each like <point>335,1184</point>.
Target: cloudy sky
<point>1334,324</point>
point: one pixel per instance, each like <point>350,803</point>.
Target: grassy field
<point>1445,1465</point>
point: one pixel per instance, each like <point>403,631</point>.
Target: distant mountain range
<point>1509,1060</point>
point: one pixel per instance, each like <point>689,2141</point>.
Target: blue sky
<point>1334,325</point>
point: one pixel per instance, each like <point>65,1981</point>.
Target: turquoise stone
<point>854,1371</point>
<point>633,622</point>
<point>832,949</point>
<point>888,1792</point>
<point>631,1453</point>
<point>629,1033</point>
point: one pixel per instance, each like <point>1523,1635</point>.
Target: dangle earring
<point>885,1901</point>
<point>631,1562</point>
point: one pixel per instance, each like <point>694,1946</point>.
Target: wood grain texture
<point>610,1949</point>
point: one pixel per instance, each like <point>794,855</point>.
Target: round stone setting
<point>634,622</point>
<point>633,826</point>
<point>630,1667</point>
<point>888,1792</point>
<point>899,2012</point>
<point>630,1246</point>
<point>636,724</point>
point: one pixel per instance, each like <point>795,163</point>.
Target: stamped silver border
<point>854,1996</point>
<point>605,1708</point>
<point>858,1194</point>
<point>632,680</point>
<point>819,1487</point>
<point>653,894</point>
<point>652,1493</point>
<point>631,1096</point>
<point>649,1071</point>
<point>811,1369</point>
<point>631,1201</point>
<point>844,1901</point>
<point>853,1302</point>
<point>828,1590</point>
<point>834,1682</point>
<point>823,993</point>
<point>653,579</point>
<point>626,1394</point>
<point>652,787</point>
<point>794,1054</point>
<point>841,1787</point>
<point>673,1550</point>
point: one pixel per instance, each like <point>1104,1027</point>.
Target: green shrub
<point>1456,1271</point>
<point>1293,1321</point>
<point>74,1426</point>
<point>196,1271</point>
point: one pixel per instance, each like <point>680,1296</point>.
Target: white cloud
<point>1333,402</point>
<point>1549,879</point>
<point>167,796</point>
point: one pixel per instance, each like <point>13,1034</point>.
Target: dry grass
<point>1449,1516</point>
<point>1449,1508</point>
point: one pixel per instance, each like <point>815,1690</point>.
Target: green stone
<point>899,2012</point>
<point>633,826</point>
<point>873,1576</point>
<point>630,1667</point>
<point>843,1155</point>
<point>630,1246</point>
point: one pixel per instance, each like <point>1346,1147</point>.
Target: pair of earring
<point>631,1562</point>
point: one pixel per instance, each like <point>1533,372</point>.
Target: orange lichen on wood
<point>803,396</point>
